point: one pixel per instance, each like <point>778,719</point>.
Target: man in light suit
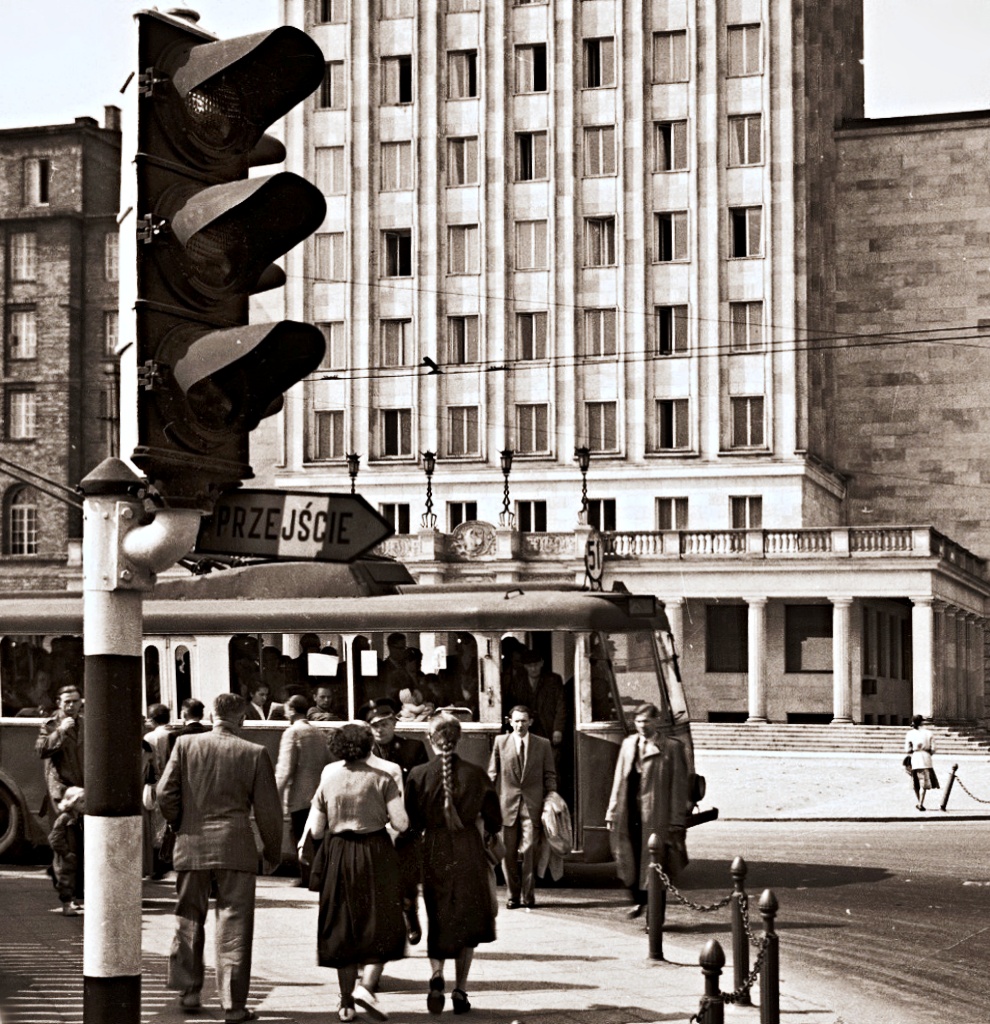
<point>522,768</point>
<point>209,787</point>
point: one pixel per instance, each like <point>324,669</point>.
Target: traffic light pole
<point>120,557</point>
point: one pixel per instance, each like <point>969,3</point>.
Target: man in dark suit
<point>522,768</point>
<point>192,721</point>
<point>209,787</point>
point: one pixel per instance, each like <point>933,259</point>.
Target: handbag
<point>167,850</point>
<point>907,761</point>
<point>317,863</point>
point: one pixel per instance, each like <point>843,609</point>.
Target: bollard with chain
<point>948,786</point>
<point>740,941</point>
<point>770,975</point>
<point>712,961</point>
<point>656,903</point>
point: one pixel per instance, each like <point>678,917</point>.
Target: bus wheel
<point>10,820</point>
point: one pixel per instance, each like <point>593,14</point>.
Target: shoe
<point>71,910</point>
<point>345,1013</point>
<point>367,999</point>
<point>190,1002</point>
<point>459,1000</point>
<point>414,931</point>
<point>435,998</point>
<point>921,807</point>
<point>530,904</point>
<point>238,1016</point>
<point>636,911</point>
<point>512,903</point>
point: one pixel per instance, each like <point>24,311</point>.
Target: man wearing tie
<point>522,768</point>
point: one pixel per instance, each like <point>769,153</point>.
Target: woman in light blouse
<point>360,916</point>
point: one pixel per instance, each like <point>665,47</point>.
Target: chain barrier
<point>756,941</point>
<point>681,898</point>
<point>971,795</point>
<point>734,997</point>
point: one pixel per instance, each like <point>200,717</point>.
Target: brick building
<point>59,198</point>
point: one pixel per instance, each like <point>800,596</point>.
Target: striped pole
<point>112,632</point>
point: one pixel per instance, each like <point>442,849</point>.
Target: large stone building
<point>561,225</point>
<point>59,189</point>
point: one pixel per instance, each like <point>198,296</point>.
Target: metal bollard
<point>948,786</point>
<point>712,961</point>
<point>656,901</point>
<point>740,941</point>
<point>770,974</point>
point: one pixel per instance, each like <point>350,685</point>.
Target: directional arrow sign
<point>292,525</point>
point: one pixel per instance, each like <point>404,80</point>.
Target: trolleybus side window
<point>152,676</point>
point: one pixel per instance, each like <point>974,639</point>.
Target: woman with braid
<point>445,800</point>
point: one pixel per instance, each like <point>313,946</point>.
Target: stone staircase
<point>845,739</point>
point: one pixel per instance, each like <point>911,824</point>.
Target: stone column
<point>950,651</point>
<point>674,608</point>
<point>841,673</point>
<point>923,656</point>
<point>757,659</point>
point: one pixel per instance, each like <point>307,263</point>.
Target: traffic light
<point>207,238</point>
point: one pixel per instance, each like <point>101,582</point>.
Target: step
<point>880,739</point>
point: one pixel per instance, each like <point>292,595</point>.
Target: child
<point>66,839</point>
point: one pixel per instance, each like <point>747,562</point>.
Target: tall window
<point>531,156</point>
<point>397,79</point>
<point>726,638</point>
<point>531,516</point>
<point>672,513</point>
<point>670,146</point>
<point>332,94</point>
<point>397,253</point>
<point>24,255</point>
<point>747,326</point>
<point>599,63</point>
<point>743,56</point>
<point>396,342</point>
<point>532,429</point>
<point>111,331</point>
<point>599,150</point>
<point>673,430</point>
<point>37,181</point>
<point>22,523</point>
<point>396,515</point>
<point>601,513</point>
<point>531,245</point>
<point>462,74</point>
<point>462,161</point>
<point>330,176</point>
<point>745,140</point>
<point>808,638</point>
<point>335,356</point>
<point>671,237</point>
<point>463,249</point>
<point>746,512</point>
<point>397,8</point>
<point>531,335</point>
<point>330,257</point>
<point>746,231</point>
<point>600,421</point>
<point>396,427</point>
<point>111,256</point>
<point>531,68</point>
<point>462,430</point>
<point>328,435</point>
<point>747,422</point>
<point>397,166</point>
<point>460,512</point>
<point>22,415</point>
<point>23,334</point>
<point>599,233</point>
<point>671,330</point>
<point>670,57</point>
<point>333,11</point>
<point>462,339</point>
<point>599,332</point>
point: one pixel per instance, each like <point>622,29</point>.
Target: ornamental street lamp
<point>353,465</point>
<point>506,519</point>
<point>583,455</point>
<point>429,520</point>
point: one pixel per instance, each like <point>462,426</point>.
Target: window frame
<point>677,509</point>
<point>809,622</point>
<point>740,142</point>
<point>468,76</point>
<point>726,638</point>
<point>745,232</point>
<point>600,248</point>
<point>747,510</point>
<point>532,252</point>
<point>463,336</point>
<point>396,73</point>
<point>463,425</point>
<point>332,93</point>
<point>459,512</point>
<point>21,352</point>
<point>595,340</point>
<point>332,12</point>
<point>751,421</point>
<point>597,433</point>
<point>750,66</point>
<point>388,15</point>
<point>111,332</point>
<point>676,240</point>
<point>330,170</point>
<point>397,514</point>
<point>401,343</point>
<point>605,165</point>
<point>29,529</point>
<point>670,148</point>
<point>525,78</point>
<point>530,162</point>
<point>671,58</point>
<point>671,331</point>
<point>539,325</point>
<point>672,425</point>
<point>111,256</point>
<point>397,172</point>
<point>403,432</point>
<point>338,431</point>
<point>24,417</point>
<point>37,181</point>
<point>335,354</point>
<point>397,253</point>
<point>24,256</point>
<point>531,516</point>
<point>532,410</point>
<point>463,240</point>
<point>462,153</point>
<point>595,64</point>
<point>330,252</point>
<point>602,514</point>
<point>743,328</point>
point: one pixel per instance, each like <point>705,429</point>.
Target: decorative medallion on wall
<point>473,539</point>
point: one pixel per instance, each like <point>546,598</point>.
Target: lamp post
<point>583,455</point>
<point>506,518</point>
<point>429,520</point>
<point>353,465</point>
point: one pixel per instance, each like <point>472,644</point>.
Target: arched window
<point>22,523</point>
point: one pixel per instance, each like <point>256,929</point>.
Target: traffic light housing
<point>208,236</point>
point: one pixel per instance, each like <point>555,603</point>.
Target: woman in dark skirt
<point>445,800</point>
<point>360,917</point>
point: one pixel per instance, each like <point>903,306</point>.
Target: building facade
<point>59,194</point>
<point>596,225</point>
